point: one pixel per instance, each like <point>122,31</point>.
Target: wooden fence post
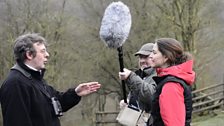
<point>223,94</point>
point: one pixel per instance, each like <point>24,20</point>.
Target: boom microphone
<point>115,25</point>
<point>114,30</point>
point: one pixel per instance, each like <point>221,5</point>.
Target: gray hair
<point>25,43</point>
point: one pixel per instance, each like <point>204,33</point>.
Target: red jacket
<point>171,99</point>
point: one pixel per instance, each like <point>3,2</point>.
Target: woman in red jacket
<point>172,103</point>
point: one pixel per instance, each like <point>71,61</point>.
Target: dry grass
<point>215,118</point>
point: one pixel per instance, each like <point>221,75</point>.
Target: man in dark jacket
<point>26,99</point>
<point>140,83</point>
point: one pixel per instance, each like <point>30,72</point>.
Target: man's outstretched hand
<point>87,88</point>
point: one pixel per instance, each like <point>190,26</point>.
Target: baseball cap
<point>146,49</point>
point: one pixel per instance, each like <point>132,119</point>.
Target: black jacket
<point>25,104</point>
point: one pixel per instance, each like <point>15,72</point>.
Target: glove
<point>124,75</point>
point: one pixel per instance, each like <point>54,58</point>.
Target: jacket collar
<point>29,73</point>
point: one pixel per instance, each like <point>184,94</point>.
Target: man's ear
<point>29,55</point>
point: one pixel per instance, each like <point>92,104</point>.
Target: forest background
<point>77,54</point>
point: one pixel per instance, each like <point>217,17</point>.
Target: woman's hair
<point>25,43</point>
<point>173,50</point>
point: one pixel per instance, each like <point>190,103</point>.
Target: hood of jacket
<point>183,71</point>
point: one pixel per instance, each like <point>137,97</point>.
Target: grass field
<point>210,119</point>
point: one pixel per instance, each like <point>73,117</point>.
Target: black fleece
<point>24,104</point>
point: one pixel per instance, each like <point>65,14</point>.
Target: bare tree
<point>77,53</point>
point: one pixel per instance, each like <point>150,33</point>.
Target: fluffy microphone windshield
<point>115,25</point>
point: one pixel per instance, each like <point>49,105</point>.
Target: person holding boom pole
<point>141,85</point>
